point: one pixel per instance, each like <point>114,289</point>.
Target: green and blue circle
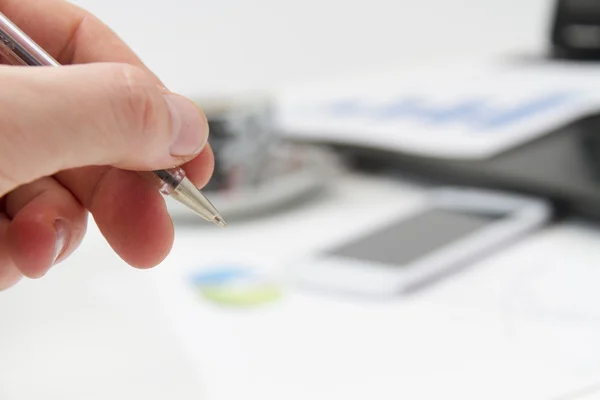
<point>235,286</point>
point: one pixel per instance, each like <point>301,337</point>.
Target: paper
<point>454,112</point>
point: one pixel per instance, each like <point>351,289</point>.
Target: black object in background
<point>563,167</point>
<point>576,30</point>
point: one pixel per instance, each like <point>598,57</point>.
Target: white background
<point>235,44</point>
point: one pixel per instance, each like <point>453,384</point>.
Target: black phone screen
<point>409,239</point>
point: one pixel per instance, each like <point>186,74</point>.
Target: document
<point>452,111</point>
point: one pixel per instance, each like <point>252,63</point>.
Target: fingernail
<point>62,235</point>
<point>190,129</point>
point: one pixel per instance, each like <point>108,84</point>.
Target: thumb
<point>53,119</point>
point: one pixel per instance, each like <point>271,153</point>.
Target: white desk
<point>95,329</point>
<point>521,324</point>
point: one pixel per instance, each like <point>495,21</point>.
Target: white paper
<point>446,111</point>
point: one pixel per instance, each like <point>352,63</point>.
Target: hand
<point>72,137</point>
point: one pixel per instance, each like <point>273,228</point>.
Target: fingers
<point>97,114</point>
<point>47,225</point>
<point>131,215</point>
<point>128,210</point>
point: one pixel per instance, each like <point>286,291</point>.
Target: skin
<point>129,211</point>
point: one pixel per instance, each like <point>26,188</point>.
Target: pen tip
<point>220,221</point>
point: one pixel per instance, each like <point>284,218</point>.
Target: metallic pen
<point>20,49</point>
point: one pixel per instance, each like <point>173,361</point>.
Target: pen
<point>20,49</point>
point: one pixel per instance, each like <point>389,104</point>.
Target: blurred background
<point>335,126</point>
<point>232,45</point>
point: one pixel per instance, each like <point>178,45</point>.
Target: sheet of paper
<point>455,111</point>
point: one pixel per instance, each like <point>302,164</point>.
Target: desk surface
<point>523,322</point>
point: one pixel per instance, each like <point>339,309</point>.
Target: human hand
<point>72,138</point>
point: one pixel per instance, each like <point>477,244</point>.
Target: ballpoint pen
<point>19,49</point>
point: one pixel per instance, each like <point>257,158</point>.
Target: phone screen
<point>409,239</point>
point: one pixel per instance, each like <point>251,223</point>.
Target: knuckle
<point>138,106</point>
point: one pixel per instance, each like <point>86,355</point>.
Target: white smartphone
<point>449,231</point>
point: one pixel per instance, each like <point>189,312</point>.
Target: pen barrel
<point>166,181</point>
<point>19,49</point>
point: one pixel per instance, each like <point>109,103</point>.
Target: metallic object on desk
<point>256,172</point>
<point>19,49</point>
<point>241,135</point>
